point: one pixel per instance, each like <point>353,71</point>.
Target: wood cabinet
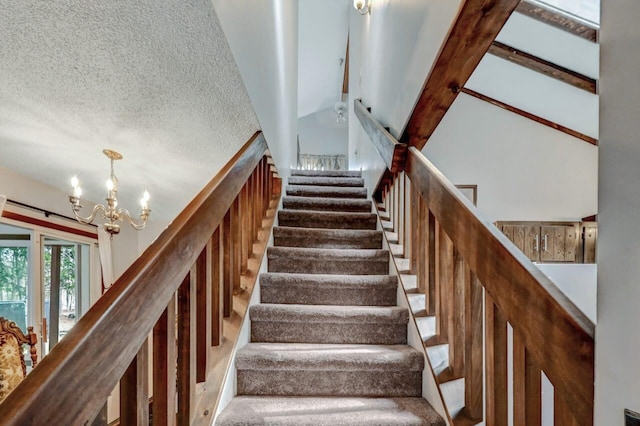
<point>544,241</point>
<point>589,239</point>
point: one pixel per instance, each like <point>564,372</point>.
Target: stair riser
<point>330,383</point>
<point>327,173</point>
<point>291,294</point>
<point>308,191</point>
<point>298,332</point>
<point>327,181</point>
<point>352,206</point>
<point>292,221</point>
<point>331,266</point>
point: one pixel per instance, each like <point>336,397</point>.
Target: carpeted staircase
<point>328,343</point>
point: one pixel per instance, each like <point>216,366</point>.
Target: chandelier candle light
<point>111,213</point>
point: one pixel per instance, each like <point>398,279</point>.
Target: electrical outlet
<point>631,418</point>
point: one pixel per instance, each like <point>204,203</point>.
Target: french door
<point>48,280</point>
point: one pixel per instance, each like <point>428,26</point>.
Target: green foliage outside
<point>14,272</point>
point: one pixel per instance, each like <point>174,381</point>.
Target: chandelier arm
<point>124,213</point>
<point>91,217</point>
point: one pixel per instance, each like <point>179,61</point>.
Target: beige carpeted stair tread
<point>329,411</point>
<point>326,238</point>
<point>327,204</point>
<point>325,191</point>
<point>327,173</point>
<point>326,181</point>
<point>323,357</point>
<point>330,220</point>
<point>373,325</point>
<point>328,261</point>
<point>317,289</point>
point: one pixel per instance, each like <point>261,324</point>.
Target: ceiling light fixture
<point>362,6</point>
<point>111,213</point>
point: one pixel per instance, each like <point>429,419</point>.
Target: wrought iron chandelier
<point>111,213</point>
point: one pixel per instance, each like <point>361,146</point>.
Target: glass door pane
<point>14,274</point>
<point>63,265</point>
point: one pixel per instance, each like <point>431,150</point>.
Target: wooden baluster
<point>134,390</point>
<point>408,223</point>
<point>256,204</point>
<point>473,357</point>
<point>385,199</point>
<point>400,229</point>
<point>186,371</point>
<point>250,212</point>
<point>444,320</point>
<point>422,272</point>
<point>527,391</point>
<point>265,189</point>
<point>257,213</point>
<point>216,290</point>
<point>244,235</point>
<point>203,312</point>
<point>235,245</point>
<point>415,230</point>
<point>562,413</point>
<point>461,274</point>
<point>393,215</point>
<point>227,269</point>
<point>432,257</point>
<point>164,367</point>
<point>496,369</point>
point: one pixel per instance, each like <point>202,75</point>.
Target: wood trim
<point>558,20</point>
<point>126,310</point>
<point>39,222</point>
<point>392,152</point>
<point>547,68</point>
<point>537,119</point>
<point>345,76</point>
<point>477,25</point>
<point>532,303</point>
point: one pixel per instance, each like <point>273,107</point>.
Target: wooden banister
<point>392,152</point>
<point>555,332</point>
<point>72,383</point>
<point>457,257</point>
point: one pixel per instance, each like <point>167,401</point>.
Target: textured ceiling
<point>152,79</point>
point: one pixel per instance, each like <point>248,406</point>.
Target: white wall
<point>617,339</point>
<point>322,40</point>
<point>399,42</point>
<point>264,41</point>
<point>391,52</point>
<point>524,170</point>
<point>320,134</point>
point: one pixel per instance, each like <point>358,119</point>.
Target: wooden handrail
<point>72,383</point>
<point>392,152</point>
<point>556,334</point>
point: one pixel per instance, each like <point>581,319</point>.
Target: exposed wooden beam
<point>537,119</point>
<point>477,25</point>
<point>547,68</point>
<point>558,20</point>
<point>391,151</point>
